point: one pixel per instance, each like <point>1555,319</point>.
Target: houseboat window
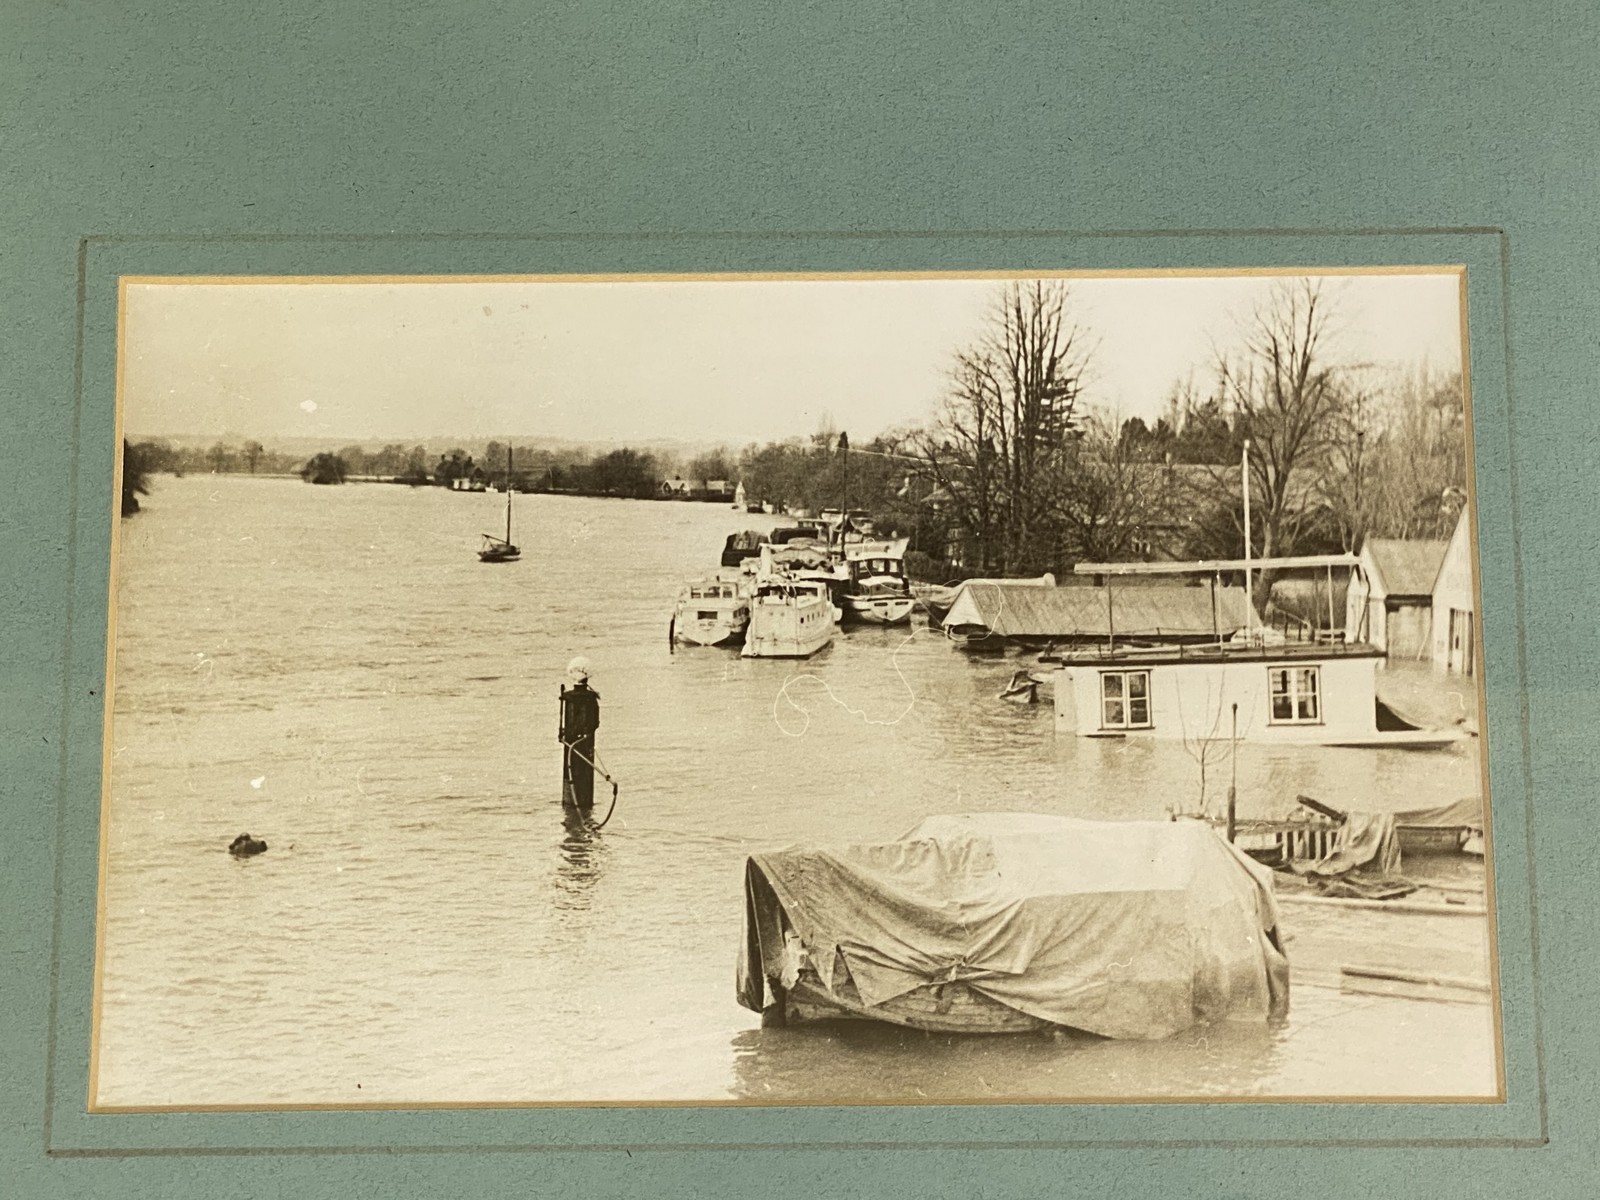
<point>1125,699</point>
<point>1296,693</point>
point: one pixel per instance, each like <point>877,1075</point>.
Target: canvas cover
<point>1368,843</point>
<point>1153,609</point>
<point>1465,813</point>
<point>1124,929</point>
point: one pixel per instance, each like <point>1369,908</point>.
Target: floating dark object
<point>1023,689</point>
<point>245,846</point>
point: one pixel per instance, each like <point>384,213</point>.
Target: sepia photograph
<point>857,689</point>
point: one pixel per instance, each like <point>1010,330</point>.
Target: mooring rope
<point>604,774</point>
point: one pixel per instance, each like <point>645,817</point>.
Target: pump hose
<point>604,774</point>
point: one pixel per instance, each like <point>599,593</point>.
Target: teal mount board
<point>495,139</point>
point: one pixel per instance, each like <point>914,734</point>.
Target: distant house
<point>1390,600</point>
<point>1454,605</point>
<point>719,489</point>
<point>680,488</point>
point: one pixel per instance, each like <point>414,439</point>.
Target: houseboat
<point>1292,693</point>
<point>1250,684</point>
<point>711,612</point>
<point>789,618</point>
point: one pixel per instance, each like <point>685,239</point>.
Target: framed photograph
<point>862,603</point>
<point>964,753</point>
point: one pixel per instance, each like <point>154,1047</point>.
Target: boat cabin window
<point>1296,695</point>
<point>1125,699</point>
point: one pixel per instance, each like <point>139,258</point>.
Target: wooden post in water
<point>580,718</point>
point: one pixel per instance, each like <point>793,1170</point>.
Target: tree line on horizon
<point>1016,472</point>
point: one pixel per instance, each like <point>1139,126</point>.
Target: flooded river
<point>332,670</point>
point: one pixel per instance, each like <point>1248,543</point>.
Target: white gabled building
<point>1454,605</point>
<point>1389,603</point>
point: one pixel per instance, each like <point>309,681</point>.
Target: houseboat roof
<point>1211,653</point>
<point>1219,565</point>
<point>1404,567</point>
<point>1023,609</point>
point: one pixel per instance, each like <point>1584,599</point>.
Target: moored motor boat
<point>877,591</point>
<point>711,612</point>
<point>789,618</point>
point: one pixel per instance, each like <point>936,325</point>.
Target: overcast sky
<point>704,360</point>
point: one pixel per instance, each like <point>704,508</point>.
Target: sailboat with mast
<point>498,549</point>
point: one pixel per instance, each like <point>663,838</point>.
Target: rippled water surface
<point>333,670</point>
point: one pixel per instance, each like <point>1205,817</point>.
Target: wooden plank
<point>1412,907</point>
<point>1370,971</point>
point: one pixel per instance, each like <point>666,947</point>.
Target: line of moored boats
<point>782,594</point>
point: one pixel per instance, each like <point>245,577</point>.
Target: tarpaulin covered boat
<point>1005,922</point>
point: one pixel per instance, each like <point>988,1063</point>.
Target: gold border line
<point>1482,750</point>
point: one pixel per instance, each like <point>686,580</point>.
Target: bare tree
<point>1112,501</point>
<point>999,444</point>
<point>1203,743</point>
<point>1290,398</point>
<point>1400,470</point>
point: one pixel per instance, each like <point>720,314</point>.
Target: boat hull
<point>710,633</point>
<point>936,1008</point>
<point>879,610</point>
<point>1398,739</point>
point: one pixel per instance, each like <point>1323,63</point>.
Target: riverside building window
<point>1125,700</point>
<point>1296,695</point>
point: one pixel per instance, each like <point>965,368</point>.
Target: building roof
<point>1404,567</point>
<point>1022,608</point>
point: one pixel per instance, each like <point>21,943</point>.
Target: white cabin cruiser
<point>877,591</point>
<point>712,612</point>
<point>789,618</point>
